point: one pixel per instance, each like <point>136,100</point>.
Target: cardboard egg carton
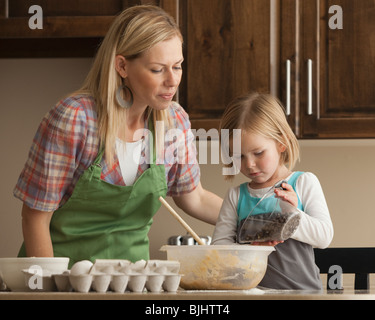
<point>115,275</point>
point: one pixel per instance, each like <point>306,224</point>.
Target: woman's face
<point>155,76</point>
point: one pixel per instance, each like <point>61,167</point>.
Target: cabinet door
<point>289,44</point>
<point>71,28</point>
<point>227,53</point>
<point>340,64</point>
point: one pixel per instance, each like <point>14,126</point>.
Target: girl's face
<point>260,160</point>
<point>155,76</point>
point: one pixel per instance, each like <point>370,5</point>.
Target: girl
<point>86,193</point>
<point>269,151</point>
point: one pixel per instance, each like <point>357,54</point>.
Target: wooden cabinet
<point>331,70</point>
<point>71,28</point>
<point>325,76</point>
<point>227,50</point>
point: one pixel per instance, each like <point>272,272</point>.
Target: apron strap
<point>99,156</point>
<point>153,141</point>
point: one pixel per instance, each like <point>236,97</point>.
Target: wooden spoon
<point>184,224</point>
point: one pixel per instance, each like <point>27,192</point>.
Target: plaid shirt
<point>66,143</point>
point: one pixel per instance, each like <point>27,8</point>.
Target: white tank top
<point>129,155</point>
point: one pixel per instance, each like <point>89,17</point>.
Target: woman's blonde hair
<point>133,32</point>
<point>262,114</point>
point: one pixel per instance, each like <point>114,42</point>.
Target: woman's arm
<point>225,232</point>
<point>35,227</point>
<point>200,204</point>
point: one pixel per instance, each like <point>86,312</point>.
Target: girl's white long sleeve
<point>316,226</point>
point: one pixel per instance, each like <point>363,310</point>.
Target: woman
<point>91,184</point>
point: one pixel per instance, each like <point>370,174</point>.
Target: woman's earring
<point>124,104</point>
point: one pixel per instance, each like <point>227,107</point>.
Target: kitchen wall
<point>29,87</point>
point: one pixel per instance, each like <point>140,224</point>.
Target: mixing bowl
<point>13,276</point>
<point>225,267</point>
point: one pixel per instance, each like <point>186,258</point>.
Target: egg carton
<point>114,275</point>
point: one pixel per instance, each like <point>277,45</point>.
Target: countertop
<point>346,294</point>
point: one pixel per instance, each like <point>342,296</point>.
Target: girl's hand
<point>266,243</point>
<point>287,195</point>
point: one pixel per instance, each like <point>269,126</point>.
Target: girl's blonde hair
<point>133,32</point>
<point>262,114</point>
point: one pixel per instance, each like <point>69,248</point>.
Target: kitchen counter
<point>346,294</point>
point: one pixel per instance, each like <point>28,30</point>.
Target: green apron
<point>105,221</point>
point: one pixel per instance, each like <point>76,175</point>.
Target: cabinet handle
<point>6,9</point>
<point>310,87</point>
<point>288,88</point>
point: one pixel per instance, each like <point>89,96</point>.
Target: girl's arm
<point>200,204</point>
<point>35,227</point>
<point>316,226</point>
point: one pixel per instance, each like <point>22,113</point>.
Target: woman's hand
<point>287,195</point>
